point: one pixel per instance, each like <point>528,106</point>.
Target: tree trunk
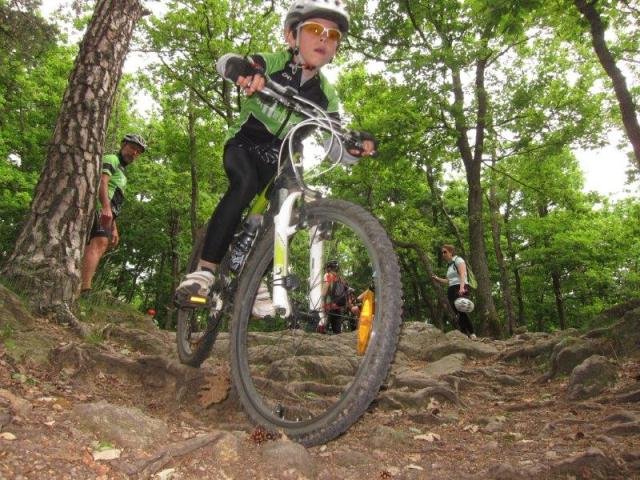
<point>627,107</point>
<point>540,319</point>
<point>158,300</point>
<point>505,284</point>
<point>521,318</point>
<point>194,172</point>
<point>174,233</point>
<point>436,194</point>
<point>48,252</point>
<point>557,292</point>
<point>472,162</point>
<point>412,310</point>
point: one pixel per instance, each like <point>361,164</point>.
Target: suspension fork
<point>284,228</point>
<point>316,249</point>
<point>283,231</point>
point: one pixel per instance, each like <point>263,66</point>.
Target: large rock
<point>593,464</point>
<point>569,353</point>
<point>624,335</point>
<point>591,377</point>
<point>321,368</point>
<point>405,376</point>
<point>424,342</point>
<point>124,426</point>
<point>287,460</point>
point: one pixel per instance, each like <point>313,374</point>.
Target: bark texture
<point>48,251</point>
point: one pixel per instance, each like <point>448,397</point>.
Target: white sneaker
<point>263,306</point>
<point>195,283</point>
<point>473,336</point>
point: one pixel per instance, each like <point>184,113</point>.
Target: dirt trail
<point>508,422</point>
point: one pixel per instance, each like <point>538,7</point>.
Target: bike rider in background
<point>336,308</point>
<point>104,231</point>
<point>313,30</point>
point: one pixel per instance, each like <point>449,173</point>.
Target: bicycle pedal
<point>193,301</point>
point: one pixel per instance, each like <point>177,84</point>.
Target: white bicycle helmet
<point>334,10</point>
<point>136,140</point>
<point>464,305</point>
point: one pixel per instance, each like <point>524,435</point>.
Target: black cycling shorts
<point>97,230</point>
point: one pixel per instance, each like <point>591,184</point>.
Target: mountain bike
<point>289,378</point>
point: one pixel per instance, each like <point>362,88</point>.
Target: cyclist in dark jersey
<point>113,181</point>
<point>313,30</point>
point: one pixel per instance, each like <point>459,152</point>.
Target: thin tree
<point>47,256</point>
<point>625,100</point>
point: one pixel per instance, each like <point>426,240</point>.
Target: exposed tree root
<point>152,371</point>
<point>146,467</point>
<point>530,352</point>
<point>63,315</point>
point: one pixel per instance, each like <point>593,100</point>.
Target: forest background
<point>479,107</point>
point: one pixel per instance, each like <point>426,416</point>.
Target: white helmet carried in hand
<point>464,305</point>
<point>334,10</point>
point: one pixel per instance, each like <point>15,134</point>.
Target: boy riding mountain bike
<point>313,30</point>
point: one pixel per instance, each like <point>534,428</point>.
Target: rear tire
<point>193,340</point>
<point>277,370</point>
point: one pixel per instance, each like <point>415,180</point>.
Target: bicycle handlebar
<point>232,66</point>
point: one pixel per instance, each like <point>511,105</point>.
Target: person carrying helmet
<point>313,31</point>
<point>458,291</point>
<point>113,181</point>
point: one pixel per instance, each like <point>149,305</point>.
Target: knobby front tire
<point>290,378</point>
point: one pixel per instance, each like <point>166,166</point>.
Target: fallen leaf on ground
<point>215,389</point>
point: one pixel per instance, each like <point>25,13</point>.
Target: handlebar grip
<point>232,66</point>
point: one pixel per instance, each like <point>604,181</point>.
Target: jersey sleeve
<point>109,164</point>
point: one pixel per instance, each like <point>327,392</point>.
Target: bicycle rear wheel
<point>194,340</point>
<point>290,378</point>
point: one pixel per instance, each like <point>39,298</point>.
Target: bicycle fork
<point>283,231</point>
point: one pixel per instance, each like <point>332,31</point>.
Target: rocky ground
<point>117,405</point>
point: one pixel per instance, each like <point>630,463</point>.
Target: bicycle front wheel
<point>290,378</point>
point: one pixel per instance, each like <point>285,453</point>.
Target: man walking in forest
<point>104,231</point>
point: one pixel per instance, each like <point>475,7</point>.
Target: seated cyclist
<point>313,30</point>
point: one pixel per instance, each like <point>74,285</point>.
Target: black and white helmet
<point>464,305</point>
<point>136,140</point>
<point>334,10</point>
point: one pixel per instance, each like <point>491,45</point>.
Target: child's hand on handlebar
<point>251,83</point>
<point>245,73</point>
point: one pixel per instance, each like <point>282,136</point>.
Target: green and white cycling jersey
<point>113,165</point>
<point>261,121</point>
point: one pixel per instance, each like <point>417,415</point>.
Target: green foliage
<point>544,98</point>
